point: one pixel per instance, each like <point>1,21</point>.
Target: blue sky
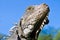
<point>12,10</point>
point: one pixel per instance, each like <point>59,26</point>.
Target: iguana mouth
<point>40,24</point>
<point>38,27</point>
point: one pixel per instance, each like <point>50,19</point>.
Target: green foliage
<point>1,36</point>
<point>57,36</point>
<point>45,37</point>
<point>49,37</point>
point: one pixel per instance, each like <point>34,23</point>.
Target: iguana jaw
<point>38,17</point>
<point>42,20</point>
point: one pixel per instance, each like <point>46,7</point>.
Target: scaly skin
<point>33,21</point>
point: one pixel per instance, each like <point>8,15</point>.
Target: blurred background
<point>12,10</point>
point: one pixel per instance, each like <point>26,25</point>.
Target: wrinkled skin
<point>33,19</point>
<point>32,22</point>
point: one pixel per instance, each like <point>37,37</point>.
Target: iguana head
<point>33,21</point>
<point>34,18</point>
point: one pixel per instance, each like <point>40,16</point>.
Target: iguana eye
<point>30,8</point>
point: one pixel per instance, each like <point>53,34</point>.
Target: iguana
<point>31,23</point>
